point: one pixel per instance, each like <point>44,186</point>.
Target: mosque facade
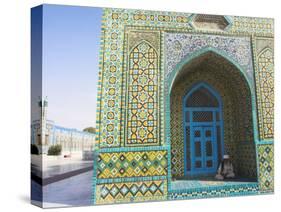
<point>177,92</point>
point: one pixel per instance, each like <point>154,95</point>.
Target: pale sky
<point>71,37</point>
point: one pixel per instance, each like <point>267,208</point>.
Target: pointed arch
<point>142,102</point>
<point>210,68</point>
<point>142,42</point>
<point>266,94</point>
<point>209,88</point>
<point>199,53</point>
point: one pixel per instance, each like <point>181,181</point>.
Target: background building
<point>45,133</point>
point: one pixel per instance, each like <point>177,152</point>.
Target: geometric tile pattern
<point>132,164</point>
<point>266,96</point>
<point>237,114</point>
<point>142,106</point>
<point>219,191</point>
<point>132,191</point>
<point>205,182</point>
<point>247,168</point>
<point>122,176</point>
<point>252,25</point>
<point>266,167</point>
<point>111,68</point>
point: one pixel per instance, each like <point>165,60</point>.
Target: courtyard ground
<point>73,191</point>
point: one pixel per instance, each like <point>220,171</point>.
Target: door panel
<point>197,149</point>
<point>203,149</point>
<point>209,148</point>
<point>210,145</point>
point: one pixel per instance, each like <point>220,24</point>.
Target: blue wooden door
<point>203,130</point>
<point>204,155</point>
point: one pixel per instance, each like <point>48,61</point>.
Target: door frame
<point>214,125</point>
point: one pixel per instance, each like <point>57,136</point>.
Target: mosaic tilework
<point>142,107</point>
<point>266,87</point>
<point>238,129</point>
<point>266,167</point>
<point>132,192</point>
<point>114,22</point>
<point>132,164</point>
<point>149,18</point>
<point>115,82</point>
<point>252,25</point>
<point>179,46</point>
<point>110,92</point>
<point>206,182</point>
<point>248,167</point>
<point>219,191</point>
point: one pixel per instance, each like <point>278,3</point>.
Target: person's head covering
<point>226,157</point>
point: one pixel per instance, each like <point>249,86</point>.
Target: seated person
<point>225,170</point>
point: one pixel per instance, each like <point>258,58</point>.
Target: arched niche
<point>231,85</point>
